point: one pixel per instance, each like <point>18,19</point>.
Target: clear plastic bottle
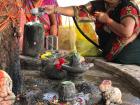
<point>52,42</point>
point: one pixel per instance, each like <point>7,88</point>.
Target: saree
<point>122,50</point>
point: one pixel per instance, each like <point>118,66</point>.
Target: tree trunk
<point>9,49</point>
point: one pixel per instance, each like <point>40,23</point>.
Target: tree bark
<point>9,49</point>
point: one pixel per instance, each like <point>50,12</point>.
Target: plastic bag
<point>67,36</point>
<point>84,47</point>
<point>70,39</point>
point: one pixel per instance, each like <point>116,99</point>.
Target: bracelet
<point>55,9</point>
<point>75,11</point>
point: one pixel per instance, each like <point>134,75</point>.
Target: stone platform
<point>126,77</point>
<point>129,72</point>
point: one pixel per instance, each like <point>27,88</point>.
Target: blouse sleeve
<point>129,11</point>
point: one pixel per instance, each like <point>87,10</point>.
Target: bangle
<point>75,9</point>
<point>55,9</point>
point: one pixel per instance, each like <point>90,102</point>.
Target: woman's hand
<point>102,17</point>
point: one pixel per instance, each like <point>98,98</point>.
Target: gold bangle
<point>75,9</point>
<point>55,9</point>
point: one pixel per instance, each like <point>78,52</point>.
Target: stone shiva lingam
<point>76,67</point>
<point>7,97</point>
<point>67,91</point>
<point>81,94</point>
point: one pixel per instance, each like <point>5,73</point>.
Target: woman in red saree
<point>119,36</point>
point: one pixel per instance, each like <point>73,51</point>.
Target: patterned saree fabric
<point>128,11</point>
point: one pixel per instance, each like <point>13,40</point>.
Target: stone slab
<point>128,72</point>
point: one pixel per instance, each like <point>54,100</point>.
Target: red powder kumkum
<point>1,74</point>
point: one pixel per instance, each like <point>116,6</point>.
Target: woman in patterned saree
<point>118,36</point>
<point>50,22</point>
